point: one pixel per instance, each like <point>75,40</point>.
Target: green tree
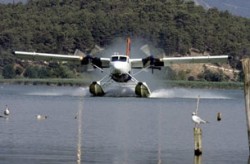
<point>209,75</point>
<point>9,71</point>
<point>31,72</point>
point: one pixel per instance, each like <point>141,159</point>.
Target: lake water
<point>120,130</point>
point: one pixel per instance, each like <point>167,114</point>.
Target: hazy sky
<point>11,1</point>
<point>237,7</point>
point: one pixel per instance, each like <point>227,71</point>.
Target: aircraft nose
<point>117,68</point>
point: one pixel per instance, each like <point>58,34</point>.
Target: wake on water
<point>187,93</point>
<point>58,91</point>
<point>129,92</point>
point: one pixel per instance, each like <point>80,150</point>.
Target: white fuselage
<point>120,68</point>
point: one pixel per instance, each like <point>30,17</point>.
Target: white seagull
<point>197,120</point>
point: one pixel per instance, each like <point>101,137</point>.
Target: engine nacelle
<point>142,90</point>
<point>96,89</point>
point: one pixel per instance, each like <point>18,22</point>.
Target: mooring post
<point>197,159</point>
<point>197,141</point>
<point>246,70</point>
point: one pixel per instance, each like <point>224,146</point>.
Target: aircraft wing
<point>77,57</point>
<point>163,62</point>
<point>47,56</point>
<point>195,59</point>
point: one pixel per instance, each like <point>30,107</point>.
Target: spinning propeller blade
<point>146,50</point>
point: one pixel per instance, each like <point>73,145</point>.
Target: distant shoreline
<point>206,84</point>
<point>87,82</point>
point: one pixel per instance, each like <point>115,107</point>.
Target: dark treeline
<point>61,26</point>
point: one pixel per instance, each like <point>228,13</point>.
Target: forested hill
<point>61,26</point>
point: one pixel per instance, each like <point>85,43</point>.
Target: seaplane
<point>120,66</point>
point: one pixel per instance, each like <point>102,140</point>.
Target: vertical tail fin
<point>128,47</point>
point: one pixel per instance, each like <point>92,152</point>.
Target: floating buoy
<point>6,111</point>
<point>41,117</point>
<point>219,116</point>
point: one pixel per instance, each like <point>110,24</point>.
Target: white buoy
<point>6,111</point>
<point>41,117</point>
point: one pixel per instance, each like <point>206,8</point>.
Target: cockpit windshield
<point>115,58</point>
<point>122,58</point>
<point>119,58</point>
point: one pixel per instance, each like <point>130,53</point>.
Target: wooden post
<point>197,141</point>
<point>197,159</point>
<point>79,134</point>
<point>219,116</point>
<point>246,70</point>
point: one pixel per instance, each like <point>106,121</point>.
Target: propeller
<point>87,59</point>
<point>96,50</point>
<point>150,61</point>
<point>146,50</point>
